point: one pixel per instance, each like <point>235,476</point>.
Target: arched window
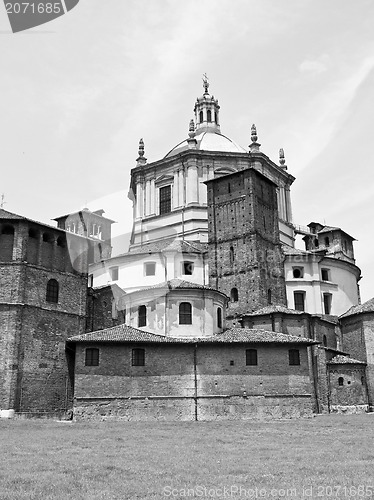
<point>33,233</point>
<point>340,381</point>
<point>138,357</point>
<point>269,297</point>
<point>324,340</point>
<point>61,242</point>
<point>316,243</point>
<point>92,357</point>
<point>251,357</point>
<point>363,380</point>
<point>6,243</point>
<point>232,256</point>
<point>47,238</point>
<point>142,316</point>
<point>185,313</point>
<point>219,317</point>
<point>201,117</point>
<point>52,291</point>
<point>234,295</point>
<point>209,115</point>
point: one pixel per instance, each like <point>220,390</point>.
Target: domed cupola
<point>206,111</point>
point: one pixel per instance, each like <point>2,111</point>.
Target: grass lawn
<point>322,457</point>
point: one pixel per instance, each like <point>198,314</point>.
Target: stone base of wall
<point>187,409</point>
<point>349,409</point>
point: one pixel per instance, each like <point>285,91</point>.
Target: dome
<point>209,141</point>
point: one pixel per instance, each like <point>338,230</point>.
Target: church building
<point>212,313</point>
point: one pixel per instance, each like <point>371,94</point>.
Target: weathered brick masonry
<point>244,248</point>
<point>34,374</point>
<point>191,379</point>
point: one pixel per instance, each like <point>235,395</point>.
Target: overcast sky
<point>78,93</point>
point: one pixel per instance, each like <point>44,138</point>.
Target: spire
<point>206,111</point>
<point>282,161</point>
<point>192,142</point>
<point>142,160</point>
<point>254,146</point>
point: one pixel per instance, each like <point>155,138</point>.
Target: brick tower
<point>43,287</point>
<point>245,255</point>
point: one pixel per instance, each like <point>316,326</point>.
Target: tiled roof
<point>4,214</point>
<point>274,309</point>
<point>345,360</point>
<point>171,245</point>
<point>178,284</point>
<point>294,251</point>
<point>363,308</point>
<point>125,333</point>
<point>327,229</point>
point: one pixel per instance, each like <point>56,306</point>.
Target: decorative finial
<point>282,160</point>
<point>255,146</point>
<point>192,142</point>
<point>2,201</point>
<point>192,129</point>
<point>205,83</point>
<point>141,147</point>
<point>142,160</point>
<point>254,133</point>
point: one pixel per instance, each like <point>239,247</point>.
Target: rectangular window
<point>251,357</point>
<point>325,274</point>
<point>327,298</point>
<point>142,316</point>
<point>187,268</point>
<point>138,357</point>
<point>114,273</point>
<point>294,357</point>
<point>150,268</point>
<point>92,357</point>
<point>299,299</point>
<point>165,200</point>
<point>185,313</point>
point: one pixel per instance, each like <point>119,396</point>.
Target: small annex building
<point>125,373</point>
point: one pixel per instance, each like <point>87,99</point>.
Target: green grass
<point>123,460</point>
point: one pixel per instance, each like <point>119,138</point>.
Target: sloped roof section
<point>4,214</point>
<point>366,307</point>
<point>172,245</point>
<point>274,309</point>
<point>125,333</point>
<point>345,360</point>
<point>178,284</point>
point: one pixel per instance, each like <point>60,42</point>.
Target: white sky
<point>79,92</point>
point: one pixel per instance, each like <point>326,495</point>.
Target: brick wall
<point>224,387</point>
<point>33,370</point>
<point>244,249</point>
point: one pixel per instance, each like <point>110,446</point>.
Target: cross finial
<point>205,83</point>
<point>2,201</point>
